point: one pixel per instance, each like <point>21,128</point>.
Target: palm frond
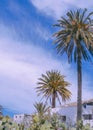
<point>77,30</point>
<point>52,82</point>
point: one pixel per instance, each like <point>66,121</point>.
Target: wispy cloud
<point>21,64</point>
<point>57,8</point>
<point>52,8</point>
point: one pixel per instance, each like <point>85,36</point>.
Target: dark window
<point>63,118</point>
<point>84,105</point>
<point>87,117</point>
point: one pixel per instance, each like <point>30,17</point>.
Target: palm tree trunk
<point>54,100</point>
<point>79,93</point>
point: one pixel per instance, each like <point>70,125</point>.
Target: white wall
<point>18,118</point>
<point>71,112</point>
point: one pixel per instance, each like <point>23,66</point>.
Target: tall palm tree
<point>75,38</point>
<point>41,108</point>
<point>52,85</point>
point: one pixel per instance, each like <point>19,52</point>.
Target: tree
<point>41,108</point>
<point>52,85</point>
<point>75,38</point>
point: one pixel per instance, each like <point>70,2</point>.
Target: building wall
<point>18,118</point>
<point>23,119</point>
<point>88,110</point>
<point>71,113</point>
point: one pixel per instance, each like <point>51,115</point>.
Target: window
<point>84,105</point>
<point>63,118</point>
<point>87,117</point>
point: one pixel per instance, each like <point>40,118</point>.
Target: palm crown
<point>52,85</point>
<point>41,108</point>
<point>76,35</point>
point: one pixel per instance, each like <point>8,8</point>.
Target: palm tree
<point>52,85</point>
<point>75,38</point>
<point>41,108</point>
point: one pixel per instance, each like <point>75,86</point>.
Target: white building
<point>68,112</point>
<point>22,119</point>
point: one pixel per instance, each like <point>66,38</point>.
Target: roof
<point>88,102</point>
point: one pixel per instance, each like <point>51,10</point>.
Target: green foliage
<point>37,123</point>
<point>6,123</point>
<point>40,123</point>
<point>75,35</point>
<point>63,126</point>
<point>52,85</point>
<point>41,108</point>
<point>56,122</point>
<point>80,126</point>
<point>47,122</point>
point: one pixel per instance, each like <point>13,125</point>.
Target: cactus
<point>7,124</point>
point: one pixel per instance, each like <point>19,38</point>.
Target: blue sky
<point>27,51</point>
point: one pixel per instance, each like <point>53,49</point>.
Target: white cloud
<point>21,64</point>
<point>57,8</point>
<point>42,32</point>
<point>51,7</point>
<point>81,4</point>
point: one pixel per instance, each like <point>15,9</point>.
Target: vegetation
<point>40,123</point>
<point>7,124</point>
<point>75,38</point>
<point>46,122</point>
<point>52,85</point>
<point>41,108</point>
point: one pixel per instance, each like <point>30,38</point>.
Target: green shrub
<point>80,126</point>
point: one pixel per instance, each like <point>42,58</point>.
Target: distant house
<point>68,112</point>
<point>22,119</point>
